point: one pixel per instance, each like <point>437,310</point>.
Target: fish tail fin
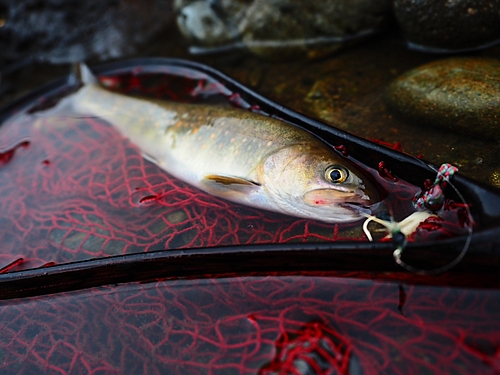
<point>82,75</point>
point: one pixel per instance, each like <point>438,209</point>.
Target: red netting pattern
<point>255,324</point>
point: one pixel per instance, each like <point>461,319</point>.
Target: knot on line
<point>432,196</point>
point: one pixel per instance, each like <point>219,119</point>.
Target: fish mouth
<point>327,197</point>
<point>357,207</point>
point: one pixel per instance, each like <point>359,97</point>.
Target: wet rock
<point>449,25</point>
<point>61,31</point>
<point>495,179</point>
<point>210,23</point>
<point>279,29</point>
<point>459,94</point>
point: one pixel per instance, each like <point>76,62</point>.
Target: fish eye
<point>336,174</point>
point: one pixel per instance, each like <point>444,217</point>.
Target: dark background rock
<point>210,23</point>
<point>280,29</point>
<point>449,25</point>
<point>306,22</point>
<point>61,31</point>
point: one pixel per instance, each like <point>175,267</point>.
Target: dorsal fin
<point>82,75</point>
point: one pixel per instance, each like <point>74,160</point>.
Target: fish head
<point>316,183</point>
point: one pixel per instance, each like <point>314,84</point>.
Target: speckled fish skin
<point>235,154</point>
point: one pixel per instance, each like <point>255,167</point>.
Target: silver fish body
<point>237,155</point>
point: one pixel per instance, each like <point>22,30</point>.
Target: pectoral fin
<point>230,180</point>
<point>229,187</point>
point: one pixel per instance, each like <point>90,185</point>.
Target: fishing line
<point>399,250</point>
<point>422,200</point>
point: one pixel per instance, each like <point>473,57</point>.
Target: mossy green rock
<point>459,94</point>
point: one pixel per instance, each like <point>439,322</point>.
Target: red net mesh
<point>74,188</point>
<point>314,349</point>
<point>309,324</point>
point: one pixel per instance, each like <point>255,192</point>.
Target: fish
<point>235,154</point>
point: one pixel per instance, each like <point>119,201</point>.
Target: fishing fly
<point>429,200</point>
